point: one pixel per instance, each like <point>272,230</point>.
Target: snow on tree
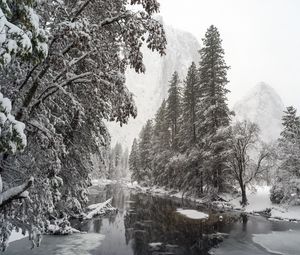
<point>118,162</point>
<point>196,120</point>
<point>191,93</point>
<point>12,140</point>
<point>244,167</point>
<point>174,108</point>
<point>161,145</point>
<point>213,112</point>
<point>20,31</point>
<point>65,98</point>
<point>134,161</point>
<point>145,151</point>
<point>286,188</point>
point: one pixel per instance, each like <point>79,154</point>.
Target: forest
<point>195,145</point>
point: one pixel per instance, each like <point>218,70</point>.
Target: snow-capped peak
<point>263,106</point>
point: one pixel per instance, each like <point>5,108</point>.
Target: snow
<point>102,182</point>
<point>16,236</point>
<point>192,214</point>
<point>279,242</point>
<point>154,245</point>
<point>17,126</point>
<point>99,209</point>
<point>259,200</point>
<point>289,213</point>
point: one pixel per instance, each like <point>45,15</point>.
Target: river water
<point>150,225</point>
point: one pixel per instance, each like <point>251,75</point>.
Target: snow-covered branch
<point>99,209</point>
<point>15,192</point>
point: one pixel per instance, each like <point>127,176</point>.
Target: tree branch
<point>15,192</point>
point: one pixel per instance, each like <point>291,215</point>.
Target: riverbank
<point>258,200</point>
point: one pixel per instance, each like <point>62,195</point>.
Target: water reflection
<point>154,220</point>
<point>148,225</point>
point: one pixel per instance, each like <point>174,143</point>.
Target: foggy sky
<point>261,39</point>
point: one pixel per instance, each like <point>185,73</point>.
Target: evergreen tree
<point>213,112</point>
<point>111,164</point>
<point>286,188</point>
<point>161,132</point>
<point>161,141</point>
<point>145,148</point>
<point>134,161</point>
<point>118,160</point>
<point>188,132</point>
<point>291,123</point>
<point>174,108</point>
<point>125,162</point>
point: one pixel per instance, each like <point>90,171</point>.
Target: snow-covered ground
<point>259,200</point>
<point>16,236</point>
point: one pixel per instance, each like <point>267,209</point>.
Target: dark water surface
<point>148,225</point>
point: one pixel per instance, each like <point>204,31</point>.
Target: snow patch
<point>192,214</point>
<point>16,236</point>
<point>154,245</point>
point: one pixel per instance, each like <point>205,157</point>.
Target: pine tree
<point>134,161</point>
<point>286,188</point>
<point>174,108</point>
<point>213,112</point>
<point>161,141</point>
<point>188,128</point>
<point>161,132</point>
<point>125,162</point>
<point>291,124</point>
<point>145,148</point>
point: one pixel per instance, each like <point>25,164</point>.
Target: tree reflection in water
<point>154,220</point>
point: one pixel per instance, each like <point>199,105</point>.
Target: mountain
<point>152,87</point>
<point>263,106</point>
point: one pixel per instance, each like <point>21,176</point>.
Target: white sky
<point>261,39</point>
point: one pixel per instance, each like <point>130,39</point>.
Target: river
<point>150,225</point>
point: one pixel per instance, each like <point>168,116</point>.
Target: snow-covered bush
<point>277,193</point>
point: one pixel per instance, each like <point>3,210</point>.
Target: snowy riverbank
<point>258,199</point>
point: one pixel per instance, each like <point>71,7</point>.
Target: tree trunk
<point>201,183</point>
<point>244,195</point>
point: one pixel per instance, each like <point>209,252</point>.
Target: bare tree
<point>248,157</point>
